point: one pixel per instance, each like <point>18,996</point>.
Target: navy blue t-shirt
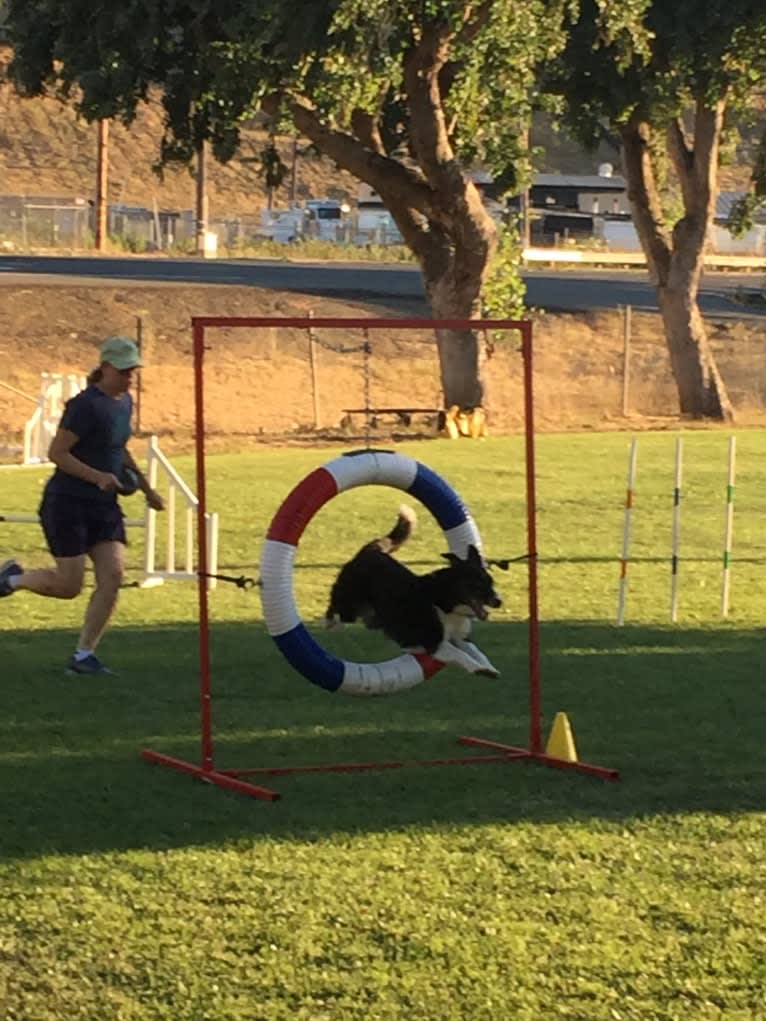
<point>102,425</point>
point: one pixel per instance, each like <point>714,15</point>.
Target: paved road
<point>571,290</point>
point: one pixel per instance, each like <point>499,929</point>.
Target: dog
<point>422,613</point>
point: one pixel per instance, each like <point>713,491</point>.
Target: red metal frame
<point>229,778</point>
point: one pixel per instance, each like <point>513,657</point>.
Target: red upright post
<point>535,708</point>
<point>198,333</point>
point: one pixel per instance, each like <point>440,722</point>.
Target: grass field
<point>424,894</point>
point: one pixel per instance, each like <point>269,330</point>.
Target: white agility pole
<point>675,542</point>
<point>729,528</point>
<point>626,534</point>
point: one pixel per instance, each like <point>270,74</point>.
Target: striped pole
<point>626,534</point>
<point>676,534</point>
<point>729,528</point>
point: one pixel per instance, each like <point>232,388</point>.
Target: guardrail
<point>583,256</point>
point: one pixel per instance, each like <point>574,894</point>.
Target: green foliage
<point>504,288</point>
<point>317,249</point>
<point>744,211</point>
<point>215,62</point>
<point>656,58</point>
<point>504,891</point>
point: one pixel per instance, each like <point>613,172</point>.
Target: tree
<point>407,95</point>
<point>661,78</point>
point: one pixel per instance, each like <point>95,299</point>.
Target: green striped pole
<point>729,528</point>
<point>623,590</point>
<point>676,531</point>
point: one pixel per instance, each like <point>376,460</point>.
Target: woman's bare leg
<point>109,566</point>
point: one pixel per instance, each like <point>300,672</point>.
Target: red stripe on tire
<point>428,664</point>
<point>301,505</point>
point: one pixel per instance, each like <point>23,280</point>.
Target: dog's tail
<point>400,533</point>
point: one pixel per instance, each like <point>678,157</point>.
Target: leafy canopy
<point>655,59</point>
<point>215,61</point>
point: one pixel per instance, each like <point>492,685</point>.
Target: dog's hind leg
<point>485,667</point>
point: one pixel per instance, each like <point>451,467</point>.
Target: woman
<point>79,512</point>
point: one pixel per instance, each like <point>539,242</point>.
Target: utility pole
<point>202,205</point>
<point>294,175</point>
<point>525,226</point>
<point>102,184</point>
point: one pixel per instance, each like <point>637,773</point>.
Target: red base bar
<point>213,776</point>
<point>351,767</point>
<point>547,760</point>
<point>228,778</point>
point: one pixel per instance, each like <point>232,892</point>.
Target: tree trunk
<point>675,259</point>
<point>441,217</point>
<point>462,357</point>
<point>701,391</point>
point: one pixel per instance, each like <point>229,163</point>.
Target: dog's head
<point>473,581</point>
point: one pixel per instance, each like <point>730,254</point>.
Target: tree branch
<point>366,128</point>
<point>406,195</point>
<point>462,211</point>
<point>384,174</point>
<point>697,169</point>
<point>682,157</point>
<point>474,20</point>
<point>644,198</point>
<point>429,137</point>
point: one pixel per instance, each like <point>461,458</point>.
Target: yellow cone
<point>450,422</point>
<point>561,742</point>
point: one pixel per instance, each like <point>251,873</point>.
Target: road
<point>562,290</point>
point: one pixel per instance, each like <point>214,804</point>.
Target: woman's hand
<point>107,482</point>
<point>154,500</point>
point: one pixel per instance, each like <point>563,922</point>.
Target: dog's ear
<point>474,555</point>
<point>451,559</point>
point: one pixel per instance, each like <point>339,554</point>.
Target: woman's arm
<point>153,498</point>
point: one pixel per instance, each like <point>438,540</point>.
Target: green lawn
<point>478,893</point>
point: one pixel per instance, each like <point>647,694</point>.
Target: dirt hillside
<point>260,385</point>
<point>45,149</point>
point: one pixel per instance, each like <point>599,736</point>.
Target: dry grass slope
<point>46,149</point>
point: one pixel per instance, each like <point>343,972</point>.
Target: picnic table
<point>400,416</point>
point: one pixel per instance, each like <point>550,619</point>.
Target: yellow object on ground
<point>460,422</point>
<point>561,743</point>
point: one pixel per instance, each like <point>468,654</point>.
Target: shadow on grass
<point>679,712</point>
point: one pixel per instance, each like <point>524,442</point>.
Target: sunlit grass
<point>510,891</point>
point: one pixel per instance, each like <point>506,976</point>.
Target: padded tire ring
<point>357,468</point>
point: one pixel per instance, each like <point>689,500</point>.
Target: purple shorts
<point>73,527</point>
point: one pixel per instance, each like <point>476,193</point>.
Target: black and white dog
<point>423,613</point>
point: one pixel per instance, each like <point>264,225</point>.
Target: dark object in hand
<point>128,481</point>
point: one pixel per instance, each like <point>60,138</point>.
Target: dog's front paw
<point>488,671</point>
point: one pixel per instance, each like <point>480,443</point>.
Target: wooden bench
<point>401,416</point>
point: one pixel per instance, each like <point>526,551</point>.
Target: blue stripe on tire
<point>439,498</point>
<point>310,659</point>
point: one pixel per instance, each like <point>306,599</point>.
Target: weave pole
<point>729,528</point>
<point>622,595</point>
<point>675,541</point>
